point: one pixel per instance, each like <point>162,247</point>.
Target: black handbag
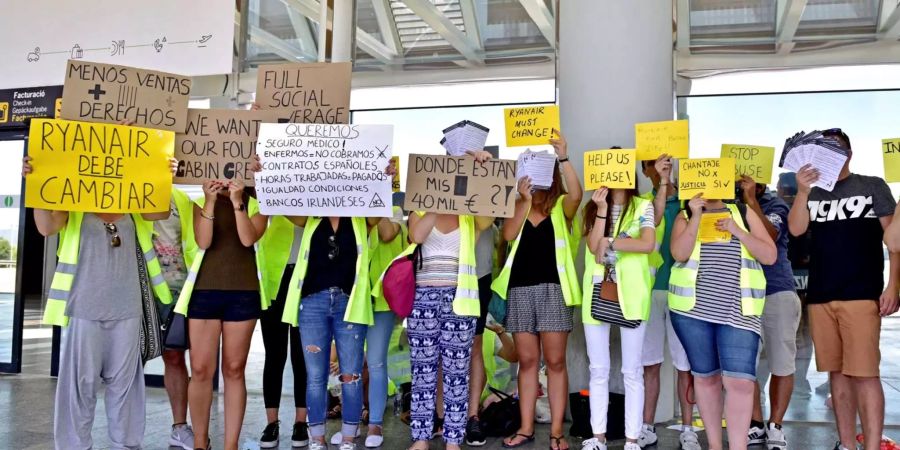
<point>151,333</point>
<point>501,419</point>
<point>175,331</point>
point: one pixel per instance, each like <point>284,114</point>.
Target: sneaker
<point>757,435</point>
<point>300,436</point>
<point>316,445</point>
<point>689,439</point>
<point>775,437</point>
<point>347,446</point>
<point>648,436</point>
<point>593,444</point>
<point>338,437</point>
<point>269,437</point>
<point>838,446</point>
<point>182,436</point>
<point>474,435</point>
<point>631,446</point>
<point>374,440</point>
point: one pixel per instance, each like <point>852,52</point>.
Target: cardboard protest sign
<point>306,93</point>
<point>461,186</point>
<point>530,125</point>
<point>324,170</point>
<point>714,178</point>
<point>653,139</point>
<point>218,144</point>
<point>395,181</point>
<point>890,149</point>
<point>752,160</point>
<point>614,169</point>
<point>80,166</point>
<point>708,232</point>
<point>108,93</point>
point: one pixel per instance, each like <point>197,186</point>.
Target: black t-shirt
<point>845,249</point>
<point>535,260</point>
<point>332,258</point>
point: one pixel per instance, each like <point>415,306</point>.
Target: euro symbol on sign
<point>471,202</point>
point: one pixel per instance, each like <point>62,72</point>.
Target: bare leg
<point>235,348</point>
<point>204,335</point>
<point>528,347</point>
<point>738,401</point>
<point>870,395</point>
<point>709,399</point>
<point>844,400</point>
<point>685,379</point>
<point>780,390</point>
<point>176,381</point>
<point>651,392</point>
<point>477,377</point>
<point>554,349</point>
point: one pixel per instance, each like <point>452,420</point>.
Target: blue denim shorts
<point>714,348</point>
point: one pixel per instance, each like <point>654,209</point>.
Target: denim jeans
<point>377,341</point>
<point>321,319</point>
<point>714,348</point>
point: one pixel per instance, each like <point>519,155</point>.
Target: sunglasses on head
<point>113,231</point>
<point>836,132</point>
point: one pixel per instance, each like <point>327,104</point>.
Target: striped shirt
<point>440,260</point>
<point>719,287</point>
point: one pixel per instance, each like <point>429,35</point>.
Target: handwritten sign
<point>80,166</point>
<point>752,160</point>
<point>714,178</point>
<point>530,125</point>
<point>395,181</point>
<point>218,144</point>
<point>653,139</point>
<point>461,186</point>
<point>108,93</point>
<point>306,93</point>
<point>614,169</point>
<point>324,170</point>
<point>890,151</point>
<point>708,232</point>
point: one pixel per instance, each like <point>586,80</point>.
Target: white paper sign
<point>188,38</point>
<point>324,170</point>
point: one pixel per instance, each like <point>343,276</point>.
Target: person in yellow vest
<point>717,291</point>
<point>500,359</point>
<point>107,266</point>
<point>277,253</point>
<point>620,228</point>
<point>173,240</point>
<point>541,286</point>
<point>441,327</point>
<point>221,299</point>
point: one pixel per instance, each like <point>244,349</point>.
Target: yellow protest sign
<point>890,151</point>
<point>614,169</point>
<point>714,178</point>
<point>652,139</point>
<point>752,160</point>
<point>530,125</point>
<point>95,167</point>
<point>395,180</point>
<point>708,232</point>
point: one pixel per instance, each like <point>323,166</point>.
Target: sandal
<point>559,440</point>
<point>528,439</point>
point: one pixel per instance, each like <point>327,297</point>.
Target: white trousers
<point>597,340</point>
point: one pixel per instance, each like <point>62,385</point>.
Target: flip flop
<point>559,440</point>
<point>528,439</point>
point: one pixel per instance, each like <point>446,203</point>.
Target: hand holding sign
<point>599,197</point>
<point>663,167</point>
<point>806,177</point>
<point>748,187</point>
<point>696,204</point>
<point>524,188</point>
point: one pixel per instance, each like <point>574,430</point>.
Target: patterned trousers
<point>438,336</point>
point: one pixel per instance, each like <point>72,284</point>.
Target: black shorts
<point>484,296</point>
<point>227,306</point>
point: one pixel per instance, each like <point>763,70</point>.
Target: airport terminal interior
<point>740,71</point>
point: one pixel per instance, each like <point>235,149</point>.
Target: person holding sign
<point>620,228</point>
<point>716,296</point>
<point>540,283</point>
<point>329,299</point>
<point>441,327</point>
<point>107,268</point>
<point>846,296</point>
<point>221,299</point>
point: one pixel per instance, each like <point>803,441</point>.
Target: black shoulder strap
<point>742,208</point>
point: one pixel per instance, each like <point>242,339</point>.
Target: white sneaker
<point>631,446</point>
<point>648,436</point>
<point>775,438</point>
<point>689,439</point>
<point>338,437</point>
<point>182,436</point>
<point>316,445</point>
<point>374,441</point>
<point>347,446</point>
<point>756,435</point>
<point>593,444</point>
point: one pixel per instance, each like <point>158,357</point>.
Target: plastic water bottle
<point>398,402</point>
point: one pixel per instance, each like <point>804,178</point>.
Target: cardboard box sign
<point>107,93</point>
<point>306,93</point>
<point>461,186</point>
<point>218,144</point>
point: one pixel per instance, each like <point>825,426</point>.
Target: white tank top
<point>440,260</point>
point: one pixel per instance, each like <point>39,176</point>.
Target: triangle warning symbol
<point>376,202</point>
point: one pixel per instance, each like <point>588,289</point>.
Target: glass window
<point>10,190</point>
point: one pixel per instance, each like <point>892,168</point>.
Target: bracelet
<point>562,160</point>
<point>203,215</point>
<point>601,217</point>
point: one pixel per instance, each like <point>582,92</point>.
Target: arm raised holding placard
<point>250,229</point>
<point>48,222</point>
<point>574,192</point>
<point>798,219</point>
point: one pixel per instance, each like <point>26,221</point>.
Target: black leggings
<point>276,335</point>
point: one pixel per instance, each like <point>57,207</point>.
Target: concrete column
<point>342,36</point>
<point>614,70</point>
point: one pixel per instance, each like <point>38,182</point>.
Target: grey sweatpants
<point>95,353</point>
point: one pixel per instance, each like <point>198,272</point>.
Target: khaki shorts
<point>846,335</point>
<point>780,320</point>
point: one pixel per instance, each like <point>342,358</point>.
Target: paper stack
<point>825,154</point>
<point>463,137</point>
<point>539,166</point>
